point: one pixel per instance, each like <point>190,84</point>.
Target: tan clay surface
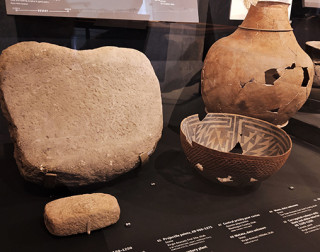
<point>81,213</point>
<point>79,117</point>
<point>259,70</point>
<point>315,44</point>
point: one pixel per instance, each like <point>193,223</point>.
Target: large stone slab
<point>79,117</point>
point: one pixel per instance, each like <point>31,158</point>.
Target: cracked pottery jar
<point>260,70</point>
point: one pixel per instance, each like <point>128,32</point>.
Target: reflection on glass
<point>153,10</point>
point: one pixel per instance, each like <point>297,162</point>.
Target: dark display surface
<point>166,206</point>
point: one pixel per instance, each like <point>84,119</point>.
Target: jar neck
<point>267,16</point>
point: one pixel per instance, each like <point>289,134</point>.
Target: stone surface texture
<point>260,70</point>
<point>81,213</point>
<point>79,116</point>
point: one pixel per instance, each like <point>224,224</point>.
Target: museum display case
<point>164,203</point>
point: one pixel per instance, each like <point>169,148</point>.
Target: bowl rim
<point>236,154</point>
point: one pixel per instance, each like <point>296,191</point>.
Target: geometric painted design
<point>211,144</point>
<point>222,132</point>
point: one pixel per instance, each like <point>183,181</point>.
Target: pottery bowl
<point>232,149</point>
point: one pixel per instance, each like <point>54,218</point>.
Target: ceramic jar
<point>260,70</point>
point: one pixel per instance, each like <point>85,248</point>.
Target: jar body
<point>259,70</point>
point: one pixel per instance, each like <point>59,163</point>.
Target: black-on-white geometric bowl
<point>233,149</point>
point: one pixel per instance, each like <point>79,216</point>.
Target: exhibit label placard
<point>148,10</point>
